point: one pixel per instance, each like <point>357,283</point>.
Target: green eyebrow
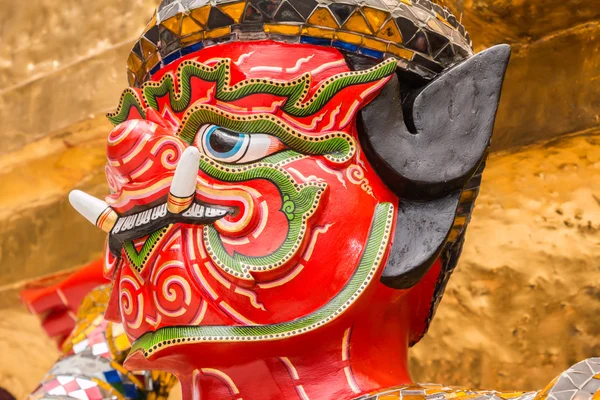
<point>295,91</point>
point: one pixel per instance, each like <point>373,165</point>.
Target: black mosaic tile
<point>249,28</point>
<point>427,63</point>
<point>407,28</point>
<point>169,48</point>
<point>252,14</point>
<point>452,20</point>
<point>304,7</point>
<point>419,43</point>
<point>137,49</point>
<point>268,7</point>
<point>166,37</point>
<point>341,12</point>
<point>436,42</point>
<point>153,35</point>
<point>218,19</point>
<point>446,54</point>
<point>287,13</point>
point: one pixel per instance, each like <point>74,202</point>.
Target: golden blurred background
<point>524,303</point>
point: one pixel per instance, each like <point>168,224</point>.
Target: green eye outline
<point>337,147</point>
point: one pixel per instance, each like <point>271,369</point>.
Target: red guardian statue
<point>290,184</point>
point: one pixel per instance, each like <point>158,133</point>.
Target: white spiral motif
<point>171,149</point>
<point>132,308</point>
<point>175,290</point>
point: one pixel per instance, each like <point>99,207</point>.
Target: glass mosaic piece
<point>153,35</point>
<point>342,11</point>
<point>234,10</point>
<point>373,28</point>
<point>323,17</point>
<point>288,13</point>
<point>304,7</point>
<point>357,23</point>
<point>375,17</point>
<point>419,42</point>
<point>252,14</point>
<point>174,24</point>
<point>267,7</point>
<point>390,32</point>
<point>218,19</point>
<point>201,14</point>
<point>407,28</point>
<point>147,48</point>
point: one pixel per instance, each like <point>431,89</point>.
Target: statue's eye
<point>235,148</point>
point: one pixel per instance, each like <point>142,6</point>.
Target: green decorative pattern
<point>299,203</point>
<point>368,266</point>
<point>138,260</point>
<point>337,146</point>
<point>294,91</point>
<point>129,99</point>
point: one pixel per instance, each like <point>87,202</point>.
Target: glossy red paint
<point>180,282</point>
<point>56,299</point>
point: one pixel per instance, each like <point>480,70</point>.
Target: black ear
<point>426,149</point>
<point>421,231</point>
<point>436,147</point>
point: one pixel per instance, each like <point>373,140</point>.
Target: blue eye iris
<point>224,144</point>
<point>230,147</point>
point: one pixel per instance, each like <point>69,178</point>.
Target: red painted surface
<point>56,299</point>
<point>362,350</point>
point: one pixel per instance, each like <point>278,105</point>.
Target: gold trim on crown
<point>424,37</point>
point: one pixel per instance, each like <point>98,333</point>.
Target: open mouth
<point>143,223</point>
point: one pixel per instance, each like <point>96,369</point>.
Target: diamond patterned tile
<point>304,7</point>
<point>288,13</point>
<point>267,7</point>
<point>357,23</point>
<point>374,28</point>
<point>342,11</point>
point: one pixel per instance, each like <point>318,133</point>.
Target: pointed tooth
<point>93,209</point>
<point>146,216</point>
<point>184,181</point>
<point>129,223</point>
<point>119,226</point>
<point>88,206</point>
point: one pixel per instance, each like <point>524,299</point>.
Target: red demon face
<point>286,224</point>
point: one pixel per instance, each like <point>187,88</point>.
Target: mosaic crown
<point>424,37</point>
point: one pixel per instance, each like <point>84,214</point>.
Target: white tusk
<point>183,187</point>
<point>94,210</point>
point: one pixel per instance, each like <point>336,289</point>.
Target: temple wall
<point>524,301</point>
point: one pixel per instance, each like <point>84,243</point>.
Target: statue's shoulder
<point>580,382</point>
<point>430,391</point>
